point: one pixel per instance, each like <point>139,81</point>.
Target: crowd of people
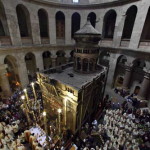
<point>119,128</point>
<point>12,123</point>
<point>132,98</point>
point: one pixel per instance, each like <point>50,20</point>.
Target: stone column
<point>35,29</point>
<point>144,87</point>
<point>23,74</point>
<point>67,60</point>
<point>4,80</point>
<point>111,71</point>
<point>83,19</point>
<point>12,23</point>
<point>67,29</point>
<point>138,27</point>
<point>39,61</point>
<point>53,61</point>
<point>127,77</point>
<point>118,30</point>
<point>52,28</point>
<point>74,116</point>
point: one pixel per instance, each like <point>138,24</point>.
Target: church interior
<point>74,75</point>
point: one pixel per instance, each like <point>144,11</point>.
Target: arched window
<point>129,22</point>
<point>109,24</point>
<point>60,25</point>
<point>43,22</point>
<point>145,32</point>
<point>2,32</point>
<point>3,22</point>
<point>92,17</point>
<point>75,23</point>
<point>23,21</point>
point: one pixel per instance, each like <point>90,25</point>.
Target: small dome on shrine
<point>88,29</point>
<point>87,34</point>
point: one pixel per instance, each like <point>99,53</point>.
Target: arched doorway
<point>109,24</point>
<point>60,25</point>
<point>129,22</point>
<point>31,65</point>
<point>47,61</point>
<point>12,72</point>
<point>75,23</point>
<point>92,17</point>
<point>60,58</point>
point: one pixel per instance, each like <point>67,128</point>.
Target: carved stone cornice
<point>81,6</point>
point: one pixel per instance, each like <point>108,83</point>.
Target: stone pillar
<point>68,29</point>
<point>84,19</point>
<point>67,60</point>
<point>111,71</point>
<point>138,27</point>
<point>52,28</point>
<point>35,29</point>
<point>4,80</point>
<point>53,61</point>
<point>74,116</point>
<point>127,77</point>
<point>118,30</point>
<point>23,74</point>
<point>144,87</point>
<point>39,61</point>
<point>12,23</point>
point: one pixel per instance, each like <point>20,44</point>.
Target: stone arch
<point>24,22</point>
<point>12,72</point>
<point>119,71</point>
<point>47,61</point>
<point>60,58</point>
<point>92,17</point>
<point>31,65</point>
<point>145,33</point>
<point>129,22</point>
<point>60,25</point>
<point>4,31</point>
<point>109,24</point>
<point>76,19</point>
<point>43,23</point>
